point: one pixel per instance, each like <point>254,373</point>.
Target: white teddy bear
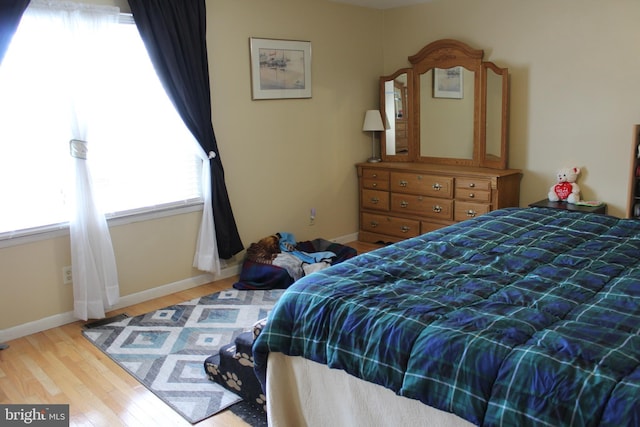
<point>566,189</point>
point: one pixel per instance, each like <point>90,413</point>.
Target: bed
<point>517,317</point>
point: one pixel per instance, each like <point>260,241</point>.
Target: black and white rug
<point>165,349</point>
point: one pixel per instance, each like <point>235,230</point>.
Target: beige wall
<point>574,81</point>
<point>148,254</point>
<point>284,157</point>
<point>573,101</point>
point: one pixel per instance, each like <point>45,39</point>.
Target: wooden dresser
<point>402,200</point>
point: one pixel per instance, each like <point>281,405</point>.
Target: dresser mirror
<point>453,106</point>
<point>494,147</point>
<point>396,93</point>
<point>446,123</point>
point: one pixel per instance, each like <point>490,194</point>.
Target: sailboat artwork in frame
<point>447,83</point>
<point>280,68</point>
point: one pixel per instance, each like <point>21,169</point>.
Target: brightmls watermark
<point>34,415</point>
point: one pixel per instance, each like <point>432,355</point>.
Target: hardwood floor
<point>60,366</point>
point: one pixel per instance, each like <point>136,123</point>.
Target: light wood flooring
<point>60,366</point>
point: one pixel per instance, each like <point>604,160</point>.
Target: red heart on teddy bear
<point>563,189</point>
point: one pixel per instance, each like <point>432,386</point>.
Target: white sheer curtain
<point>95,278</point>
<point>206,257</point>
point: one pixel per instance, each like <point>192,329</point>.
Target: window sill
<point>22,237</point>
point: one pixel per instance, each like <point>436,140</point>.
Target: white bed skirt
<point>303,393</point>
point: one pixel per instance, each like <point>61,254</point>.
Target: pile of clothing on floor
<point>276,261</point>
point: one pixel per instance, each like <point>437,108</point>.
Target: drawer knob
<point>471,213</point>
<point>403,183</point>
<point>471,195</point>
<point>375,175</point>
<point>436,186</point>
<point>373,224</point>
<point>375,200</point>
<point>437,209</point>
<point>374,185</point>
<point>404,204</point>
<point>405,229</point>
<point>472,185</point>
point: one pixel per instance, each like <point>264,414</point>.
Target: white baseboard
<point>125,301</point>
<point>346,238</point>
<point>128,300</point>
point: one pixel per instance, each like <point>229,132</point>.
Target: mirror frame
<point>448,53</point>
<point>410,156</point>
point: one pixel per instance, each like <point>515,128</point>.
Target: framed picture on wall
<point>280,68</point>
<point>447,83</point>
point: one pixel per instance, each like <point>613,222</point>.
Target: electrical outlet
<point>312,216</point>
<point>67,279</point>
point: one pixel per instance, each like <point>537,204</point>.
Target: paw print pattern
<point>262,401</point>
<point>233,381</point>
<point>258,327</point>
<point>244,359</point>
<point>212,370</point>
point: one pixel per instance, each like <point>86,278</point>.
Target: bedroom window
<point>143,157</point>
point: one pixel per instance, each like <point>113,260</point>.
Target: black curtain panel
<point>174,34</point>
<point>10,14</point>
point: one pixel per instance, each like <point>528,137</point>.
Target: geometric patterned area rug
<point>165,349</point>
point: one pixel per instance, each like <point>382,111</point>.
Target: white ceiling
<point>382,4</point>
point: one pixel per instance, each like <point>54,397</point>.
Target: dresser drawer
<point>473,183</point>
<point>401,129</point>
<point>466,210</point>
<point>426,185</point>
<point>473,195</point>
<point>375,179</point>
<point>375,199</point>
<point>375,174</point>
<point>375,184</point>
<point>392,226</point>
<point>431,207</point>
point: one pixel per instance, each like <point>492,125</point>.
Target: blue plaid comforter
<point>518,317</point>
